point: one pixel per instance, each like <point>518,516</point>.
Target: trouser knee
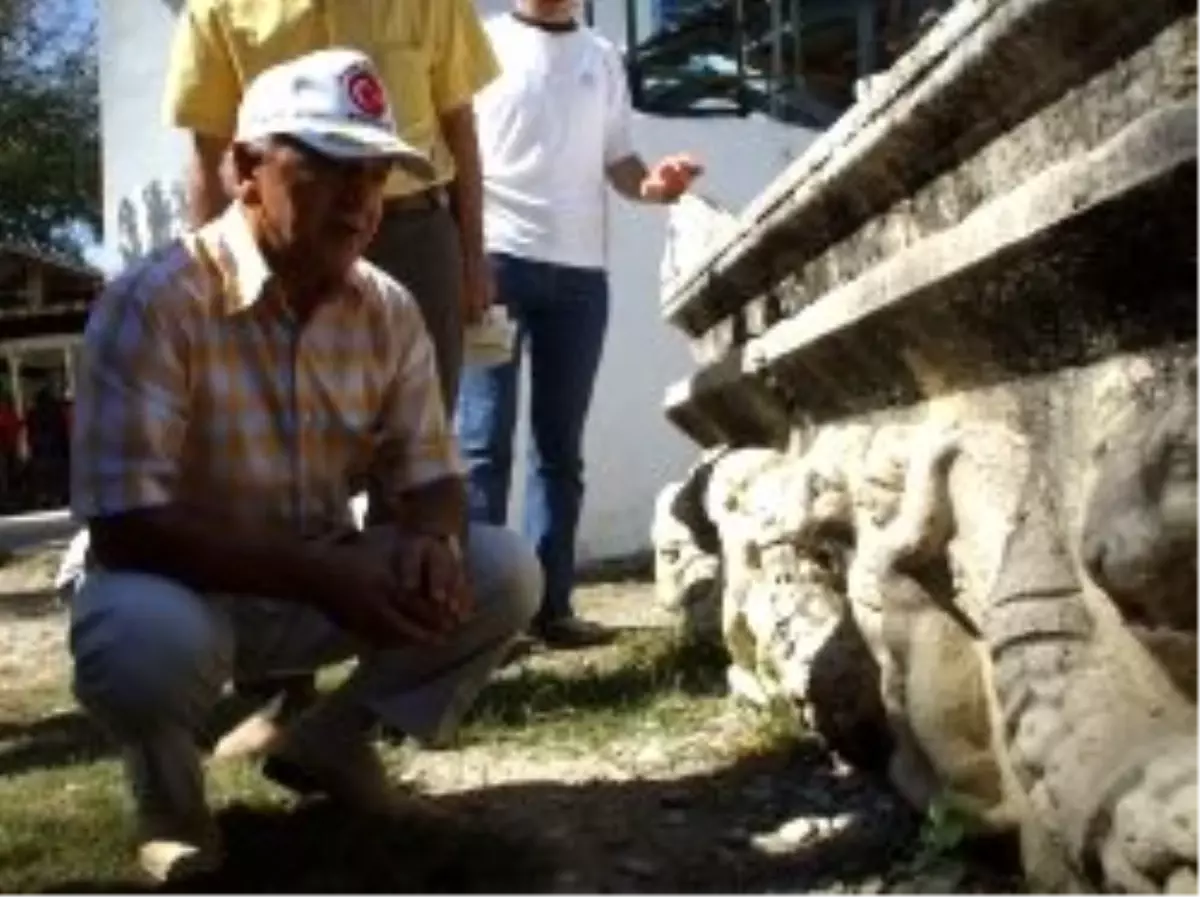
<point>148,652</point>
<point>507,577</point>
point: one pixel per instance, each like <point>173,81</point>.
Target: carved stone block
<point>972,308</point>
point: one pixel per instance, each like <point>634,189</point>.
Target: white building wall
<point>631,450</point>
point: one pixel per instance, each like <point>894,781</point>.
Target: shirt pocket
<point>395,38</point>
<point>402,24</point>
<point>406,78</point>
<point>263,34</point>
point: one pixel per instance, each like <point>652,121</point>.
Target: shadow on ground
<point>69,737</point>
<point>61,739</point>
<point>30,604</point>
<point>685,835</point>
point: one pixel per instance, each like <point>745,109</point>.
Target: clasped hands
<point>416,594</point>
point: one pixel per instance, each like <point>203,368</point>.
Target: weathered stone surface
<point>1026,284</point>
<point>975,115</point>
<point>687,578</point>
<point>768,529</point>
<point>987,66</point>
<point>949,359</point>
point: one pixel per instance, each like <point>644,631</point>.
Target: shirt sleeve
<point>131,403</point>
<point>618,121</point>
<point>415,445</point>
<point>202,84</point>
<point>463,60</point>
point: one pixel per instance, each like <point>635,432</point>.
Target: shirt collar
<point>245,276</point>
<point>551,27</point>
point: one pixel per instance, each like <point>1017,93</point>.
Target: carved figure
<point>1139,529</point>
<point>687,579</point>
<point>1106,758</point>
<point>726,501</point>
<point>781,522</point>
<point>932,678</point>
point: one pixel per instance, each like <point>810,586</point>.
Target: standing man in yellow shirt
<point>433,57</point>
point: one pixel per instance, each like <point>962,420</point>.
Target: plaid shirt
<point>198,386</point>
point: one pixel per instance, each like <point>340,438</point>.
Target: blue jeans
<point>561,314</point>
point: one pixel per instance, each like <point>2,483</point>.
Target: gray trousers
<point>152,656</point>
<point>420,248</point>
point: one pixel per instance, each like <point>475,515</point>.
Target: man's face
<point>313,208</point>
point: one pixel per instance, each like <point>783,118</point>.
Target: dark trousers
<point>419,247</point>
<point>561,314</point>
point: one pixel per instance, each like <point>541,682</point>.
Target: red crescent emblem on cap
<point>366,93</point>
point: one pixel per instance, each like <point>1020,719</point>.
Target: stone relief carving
<point>1006,691</point>
<point>903,594</point>
<point>1105,750</point>
<point>775,526</point>
<point>687,578</point>
<point>1139,531</point>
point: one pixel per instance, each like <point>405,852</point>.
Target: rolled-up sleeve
<point>415,444</point>
<point>203,88</point>
<point>463,61</point>
<point>130,407</point>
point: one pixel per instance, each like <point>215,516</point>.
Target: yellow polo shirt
<point>433,56</point>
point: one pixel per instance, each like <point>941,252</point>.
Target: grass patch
<point>29,571</point>
<point>650,679</point>
<point>65,817</point>
<point>69,830</point>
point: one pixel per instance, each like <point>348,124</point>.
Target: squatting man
<point>231,387</point>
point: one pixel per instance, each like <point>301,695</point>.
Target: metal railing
<point>794,60</point>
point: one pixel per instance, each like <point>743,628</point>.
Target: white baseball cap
<point>331,100</point>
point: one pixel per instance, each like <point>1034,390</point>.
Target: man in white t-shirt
<point>554,131</point>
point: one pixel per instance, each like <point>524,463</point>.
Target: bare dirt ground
<point>618,769</point>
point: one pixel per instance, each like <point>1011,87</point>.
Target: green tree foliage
<point>49,124</point>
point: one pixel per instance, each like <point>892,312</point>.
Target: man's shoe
<point>261,731</point>
<point>255,735</point>
<point>318,756</point>
<point>566,633</point>
<point>173,851</point>
<point>168,861</point>
<point>177,835</point>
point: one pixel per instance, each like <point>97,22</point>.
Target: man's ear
<point>241,169</point>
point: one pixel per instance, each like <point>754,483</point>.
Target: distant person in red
<point>10,440</point>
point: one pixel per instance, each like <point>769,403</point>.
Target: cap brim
<point>349,142</point>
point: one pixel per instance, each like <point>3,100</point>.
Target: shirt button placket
<point>295,423</point>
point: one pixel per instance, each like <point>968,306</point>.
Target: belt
<point>421,201</point>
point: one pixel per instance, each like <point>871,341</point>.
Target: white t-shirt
<point>549,125</point>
